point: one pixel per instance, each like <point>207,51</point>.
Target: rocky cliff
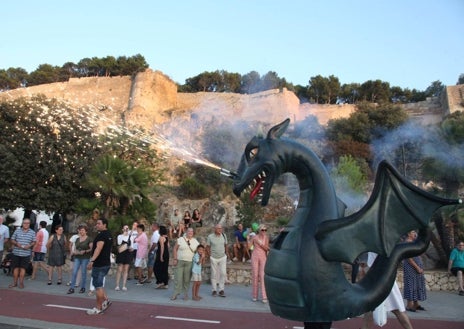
<point>151,98</point>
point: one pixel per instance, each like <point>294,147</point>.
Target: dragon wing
<point>394,208</point>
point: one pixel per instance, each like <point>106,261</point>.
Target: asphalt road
<point>41,306</point>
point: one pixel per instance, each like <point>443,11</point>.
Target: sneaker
<point>124,289</point>
<point>165,287</point>
<point>94,311</point>
<point>139,283</point>
<point>254,299</point>
<point>461,293</point>
<point>265,301</point>
<point>106,303</point>
<point>159,286</point>
<point>222,294</point>
<point>234,259</point>
<point>214,293</point>
<point>243,260</point>
<point>117,289</point>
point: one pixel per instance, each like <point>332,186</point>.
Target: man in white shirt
<point>152,251</point>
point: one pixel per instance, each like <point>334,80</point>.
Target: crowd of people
<point>148,257</point>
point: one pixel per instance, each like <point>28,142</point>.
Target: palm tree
<point>118,184</point>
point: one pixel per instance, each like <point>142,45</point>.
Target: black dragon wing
<point>395,207</point>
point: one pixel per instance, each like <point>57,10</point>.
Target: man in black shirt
<point>100,263</point>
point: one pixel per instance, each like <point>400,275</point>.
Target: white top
<point>154,238</point>
<point>133,235</point>
<point>4,234</point>
<point>394,300</point>
<point>73,240</point>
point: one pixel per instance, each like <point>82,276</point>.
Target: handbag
<point>380,315</point>
<point>123,247</point>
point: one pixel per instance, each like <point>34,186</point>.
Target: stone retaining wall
<point>240,273</point>
<point>435,280</point>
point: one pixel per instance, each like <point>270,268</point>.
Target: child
<point>198,260</point>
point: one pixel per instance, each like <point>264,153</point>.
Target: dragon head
<point>261,164</point>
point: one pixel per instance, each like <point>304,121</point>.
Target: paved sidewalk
<point>439,305</point>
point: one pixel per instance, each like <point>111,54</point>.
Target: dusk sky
<point>406,43</point>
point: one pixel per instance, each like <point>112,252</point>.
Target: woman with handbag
<point>81,252</point>
<point>56,246</point>
<point>123,258</point>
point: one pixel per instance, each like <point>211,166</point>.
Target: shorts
<point>140,262</point>
<point>455,270</point>
<point>196,276</point>
<point>98,275</point>
<point>151,259</point>
<point>20,261</point>
<point>39,257</point>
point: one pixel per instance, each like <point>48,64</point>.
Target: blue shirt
<point>196,266</point>
<point>457,257</point>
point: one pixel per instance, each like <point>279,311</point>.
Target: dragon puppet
<point>304,276</point>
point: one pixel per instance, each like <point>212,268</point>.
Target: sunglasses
<point>263,230</point>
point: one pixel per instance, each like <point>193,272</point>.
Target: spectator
<point>72,241</point>
<point>123,258</point>
<point>161,267</point>
<point>23,240</point>
<point>4,236</point>
<point>456,264</point>
<point>413,279</point>
<point>100,264</point>
<point>175,224</point>
<point>240,245</point>
<point>56,254</point>
<point>133,248</point>
<point>216,245</point>
<point>183,255</point>
<point>142,252</point>
<point>393,303</point>
<point>81,253</point>
<point>260,244</point>
<point>152,251</point>
<point>186,220</point>
<point>196,219</point>
<point>198,260</point>
<point>40,249</point>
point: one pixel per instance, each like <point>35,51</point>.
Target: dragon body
<point>304,277</point>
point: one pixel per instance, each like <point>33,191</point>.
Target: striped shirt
<point>23,238</point>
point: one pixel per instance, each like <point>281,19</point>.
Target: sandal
<point>49,282</point>
<point>59,281</point>
<point>13,285</point>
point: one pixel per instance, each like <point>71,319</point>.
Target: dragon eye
<point>253,153</point>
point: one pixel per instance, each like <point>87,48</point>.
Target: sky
<point>408,43</point>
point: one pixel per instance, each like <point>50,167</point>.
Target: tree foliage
<point>99,67</point>
<point>348,174</point>
<point>46,147</point>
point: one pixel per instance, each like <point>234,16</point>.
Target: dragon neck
<point>316,189</point>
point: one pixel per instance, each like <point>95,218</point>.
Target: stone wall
<point>240,273</point>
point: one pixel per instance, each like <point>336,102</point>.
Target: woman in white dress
<point>393,302</point>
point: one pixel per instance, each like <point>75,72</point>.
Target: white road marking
<point>303,328</point>
<point>185,319</point>
<point>68,307</point>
